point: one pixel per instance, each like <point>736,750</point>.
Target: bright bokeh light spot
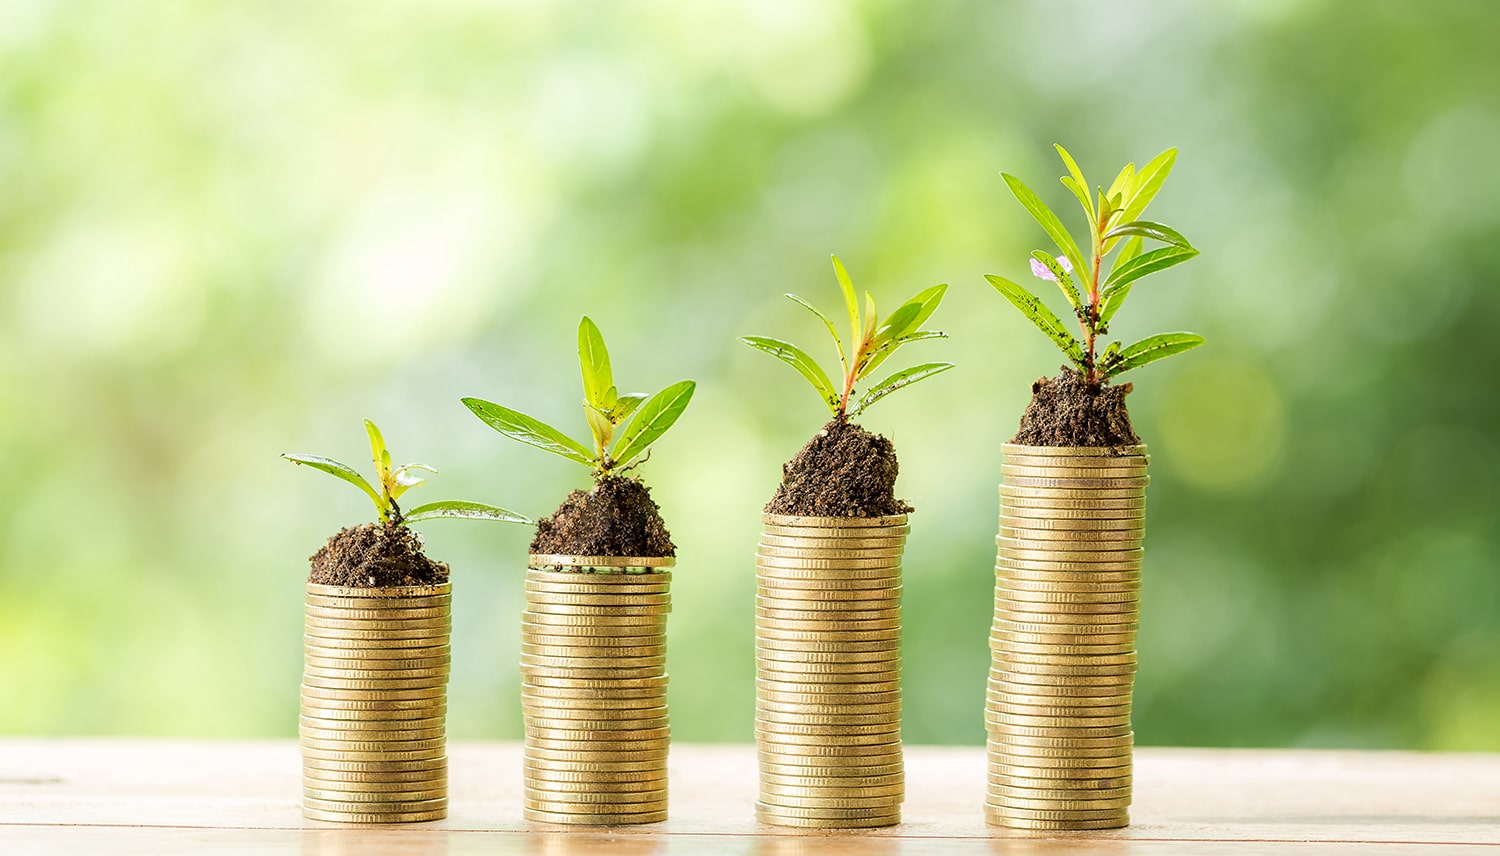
<point>805,58</point>
<point>1224,423</point>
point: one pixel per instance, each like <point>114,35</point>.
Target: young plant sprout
<point>606,409</point>
<point>871,342</point>
<point>396,481</point>
<point>1114,221</point>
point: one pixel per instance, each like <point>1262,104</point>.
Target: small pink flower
<point>1041,271</point>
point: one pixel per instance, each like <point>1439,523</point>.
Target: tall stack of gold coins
<point>828,671</point>
<point>594,689</point>
<point>1067,605</point>
<point>374,703</point>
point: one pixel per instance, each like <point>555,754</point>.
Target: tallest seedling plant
<point>1115,222</point>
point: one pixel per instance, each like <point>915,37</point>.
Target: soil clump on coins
<point>1070,411</point>
<point>375,555</point>
<point>617,517</point>
<point>843,471</point>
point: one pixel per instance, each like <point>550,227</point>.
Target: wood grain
<point>129,796</point>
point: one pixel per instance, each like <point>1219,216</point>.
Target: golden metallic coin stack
<point>828,671</point>
<point>594,689</point>
<point>374,703</point>
<point>1067,604</point>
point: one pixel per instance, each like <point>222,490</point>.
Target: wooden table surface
<point>167,797</point>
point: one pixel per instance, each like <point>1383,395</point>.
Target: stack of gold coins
<point>374,703</point>
<point>594,689</point>
<point>828,671</point>
<point>1067,604</point>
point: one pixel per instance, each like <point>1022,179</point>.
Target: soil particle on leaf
<point>374,554</point>
<point>1070,411</point>
<point>843,471</point>
<point>616,518</point>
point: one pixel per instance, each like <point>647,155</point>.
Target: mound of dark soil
<point>1070,411</point>
<point>616,518</point>
<point>843,471</point>
<point>375,554</point>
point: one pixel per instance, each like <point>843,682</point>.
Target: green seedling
<point>645,418</point>
<point>871,342</point>
<point>396,481</point>
<point>1114,222</point>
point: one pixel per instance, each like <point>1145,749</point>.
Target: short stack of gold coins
<point>1067,605</point>
<point>374,703</point>
<point>828,671</point>
<point>594,689</point>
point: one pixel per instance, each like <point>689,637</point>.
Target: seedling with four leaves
<point>645,418</point>
<point>1114,222</point>
<point>396,481</point>
<point>871,343</point>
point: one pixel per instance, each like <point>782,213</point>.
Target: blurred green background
<point>233,229</point>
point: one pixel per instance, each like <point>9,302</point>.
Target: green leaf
<point>871,319</point>
<point>1032,307</point>
<point>657,415</point>
<point>600,427</point>
<point>1150,350</point>
<point>826,323</point>
<point>883,353</point>
<point>464,510</point>
<point>1064,281</point>
<point>1123,186</point>
<point>345,472</point>
<point>899,380</point>
<point>532,432</point>
<point>378,453</point>
<point>626,405</point>
<point>1133,269</point>
<point>1110,304</point>
<point>1074,181</point>
<point>851,300</point>
<point>403,479</point>
<point>897,323</point>
<point>927,301</point>
<point>799,360</point>
<point>593,359</point>
<point>1043,215</point>
<point>1149,181</point>
<point>1148,229</point>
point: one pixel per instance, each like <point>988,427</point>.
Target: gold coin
<point>375,807</point>
<point>816,701</point>
<point>1050,642</point>
<point>367,684</point>
<point>1040,478</point>
<point>1066,621</point>
<point>375,638</point>
<point>355,798</point>
<point>1107,767</point>
<point>408,766</point>
<point>766,621</point>
<point>1061,815</point>
<point>780,663</point>
<point>634,731</point>
<point>356,743</point>
<point>1074,613</point>
<point>1021,496</point>
<point>872,753</point>
<point>378,603</point>
<point>313,647</point>
<point>825,533</point>
<point>831,813</point>
<point>1073,748</point>
<point>602,674</point>
<point>1012,668</point>
<point>1031,579</point>
<point>565,681</point>
<point>1042,539</point>
<point>373,695</point>
<point>895,782</point>
<point>852,526</point>
<point>342,714</point>
<point>1086,630</point>
<point>614,634</point>
<point>887,728</point>
<point>826,688</point>
<point>845,577</point>
<point>577,708</point>
<point>1006,566</point>
<point>1044,656</point>
<point>536,595</point>
<point>1034,790</point>
<point>830,637</point>
<point>426,673</point>
<point>584,756</point>
<point>1075,551</point>
<point>812,610</point>
<point>540,776</point>
<point>330,732</point>
<point>847,588</point>
<point>1060,778</point>
<point>539,739</point>
<point>1017,705</point>
<point>638,623</point>
<point>589,586</point>
<point>601,566</point>
<point>565,713</point>
<point>1012,673</point>
<point>1056,726</point>
<point>390,613</point>
<point>1080,691</point>
<point>857,769</point>
<point>614,610</point>
<point>764,816</point>
<point>833,597</point>
<point>1104,452</point>
<point>819,644</point>
<point>538,815</point>
<point>418,704</point>
<point>544,788</point>
<point>781,655</point>
<point>885,801</point>
<point>840,740</point>
<point>536,765</point>
<point>443,621</point>
<point>386,593</point>
<point>1041,510</point>
<point>1059,825</point>
<point>648,646</point>
<point>364,817</point>
<point>354,664</point>
<point>658,575</point>
<point>596,800</point>
<point>647,696</point>
<point>828,713</point>
<point>365,786</point>
<point>531,646</point>
<point>342,646</point>
<point>890,563</point>
<point>1101,526</point>
<point>558,657</point>
<point>810,543</point>
<point>805,551</point>
<point>1045,591</point>
<point>1067,471</point>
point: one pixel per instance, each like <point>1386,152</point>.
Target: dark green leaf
<point>343,471</point>
<point>593,359</point>
<point>1043,215</point>
<point>1064,281</point>
<point>653,419</point>
<point>532,432</point>
<point>1150,350</point>
<point>465,510</point>
<point>1148,229</point>
<point>1032,307</point>
<point>799,360</point>
<point>1156,260</point>
<point>903,378</point>
<point>851,301</point>
<point>826,323</point>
